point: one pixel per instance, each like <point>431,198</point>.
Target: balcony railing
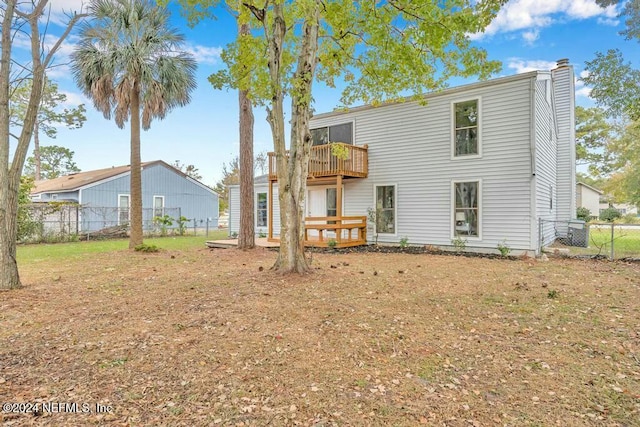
<point>322,163</point>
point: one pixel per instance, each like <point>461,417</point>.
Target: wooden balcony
<point>346,231</point>
<point>322,163</point>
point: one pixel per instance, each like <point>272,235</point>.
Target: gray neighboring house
<point>104,196</point>
<point>486,163</point>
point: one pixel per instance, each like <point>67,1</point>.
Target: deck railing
<point>345,231</point>
<point>322,163</point>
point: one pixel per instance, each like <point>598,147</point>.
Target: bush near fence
<point>66,221</point>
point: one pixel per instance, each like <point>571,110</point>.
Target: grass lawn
<point>79,250</point>
<point>194,337</point>
<point>626,240</point>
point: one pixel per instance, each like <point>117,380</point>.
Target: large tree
<point>379,49</point>
<point>19,19</point>
<point>615,86</point>
<point>54,161</point>
<point>132,64</point>
<point>51,115</point>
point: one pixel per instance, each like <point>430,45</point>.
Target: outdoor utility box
<point>578,233</point>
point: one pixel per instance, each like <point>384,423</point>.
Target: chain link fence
<point>60,222</point>
<point>593,239</point>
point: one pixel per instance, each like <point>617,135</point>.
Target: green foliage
<point>610,214</point>
<point>27,226</point>
<point>262,234</point>
<point>55,161</point>
<point>372,218</point>
<point>404,242</point>
<point>130,45</point>
<point>459,244</point>
<point>593,134</point>
<point>339,150</point>
<point>583,214</point>
<point>189,170</point>
<point>50,114</point>
<point>553,294</point>
<point>164,222</point>
<point>144,247</point>
<point>332,243</point>
<point>182,224</point>
<point>615,83</point>
<point>503,248</point>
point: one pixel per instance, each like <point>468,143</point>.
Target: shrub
<point>332,243</point>
<point>610,214</point>
<point>459,243</point>
<point>583,214</point>
<point>143,247</point>
<point>404,242</point>
<point>504,248</point>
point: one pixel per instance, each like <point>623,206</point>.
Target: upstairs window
<point>336,133</point>
<point>466,119</point>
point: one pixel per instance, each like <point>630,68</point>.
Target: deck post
<point>339,208</point>
<point>270,212</point>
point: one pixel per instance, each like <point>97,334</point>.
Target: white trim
<point>453,209</point>
<point>120,207</point>
<point>153,205</point>
<point>395,207</point>
<point>478,100</point>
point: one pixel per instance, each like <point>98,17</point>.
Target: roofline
<point>128,172</point>
<point>448,91</point>
<point>588,186</point>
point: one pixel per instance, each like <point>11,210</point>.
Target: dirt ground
<point>213,337</point>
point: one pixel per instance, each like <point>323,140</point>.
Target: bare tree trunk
<point>292,175</point>
<point>246,236</point>
<point>9,277</point>
<point>10,173</point>
<point>135,237</point>
<point>36,150</point>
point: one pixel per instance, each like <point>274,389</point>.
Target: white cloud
<point>74,99</point>
<point>204,54</point>
<point>524,66</point>
<point>532,15</point>
<point>531,36</point>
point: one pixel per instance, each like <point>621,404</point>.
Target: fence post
<point>612,252</point>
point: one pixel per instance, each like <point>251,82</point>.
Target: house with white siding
<point>588,197</point>
<point>484,164</point>
<point>105,200</point>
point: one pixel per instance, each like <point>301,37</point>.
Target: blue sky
<point>526,35</point>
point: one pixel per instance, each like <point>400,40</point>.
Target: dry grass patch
<point>205,337</point>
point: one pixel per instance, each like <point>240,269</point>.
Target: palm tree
<point>131,64</point>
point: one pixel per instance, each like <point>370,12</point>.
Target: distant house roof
<point>590,187</point>
<point>75,181</point>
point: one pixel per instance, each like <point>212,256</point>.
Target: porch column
<point>270,212</point>
<point>339,208</point>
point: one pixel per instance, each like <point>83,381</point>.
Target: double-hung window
<point>466,212</point>
<point>124,203</point>
<point>261,210</point>
<point>466,133</point>
<point>158,206</point>
<point>386,209</point>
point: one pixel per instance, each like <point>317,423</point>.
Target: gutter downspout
<point>533,218</point>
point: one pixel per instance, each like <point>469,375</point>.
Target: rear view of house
<point>477,165</point>
<point>104,199</point>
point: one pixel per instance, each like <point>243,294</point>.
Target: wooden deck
<point>333,231</point>
<point>322,163</point>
